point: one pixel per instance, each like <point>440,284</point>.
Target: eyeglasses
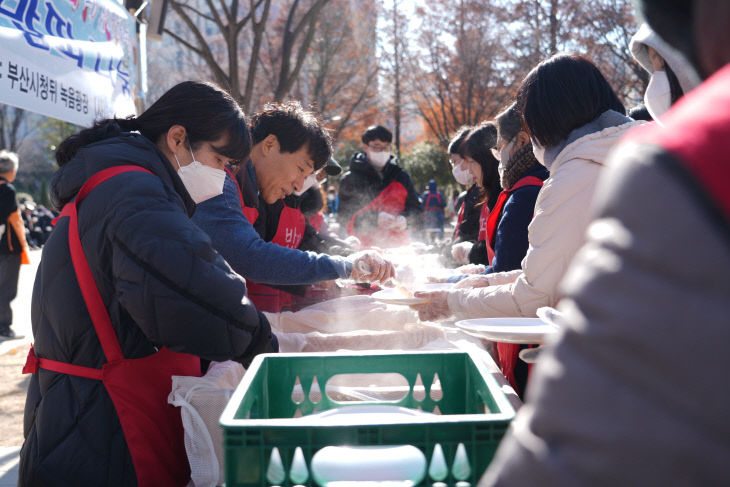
<point>497,151</point>
<point>379,147</point>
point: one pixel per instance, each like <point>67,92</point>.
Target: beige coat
<point>557,231</point>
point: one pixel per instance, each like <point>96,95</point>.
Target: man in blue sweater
<point>289,144</point>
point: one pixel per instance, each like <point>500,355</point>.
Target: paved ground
<point>13,384</point>
<point>9,466</point>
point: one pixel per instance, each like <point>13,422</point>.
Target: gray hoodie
<point>645,36</point>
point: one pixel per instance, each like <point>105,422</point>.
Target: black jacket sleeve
<point>350,199</point>
<point>414,209</point>
<point>469,228</point>
<point>478,253</point>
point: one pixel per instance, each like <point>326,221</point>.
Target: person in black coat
<point>467,209</point>
<point>378,203</point>
<point>12,241</point>
<point>161,281</point>
<point>467,230</point>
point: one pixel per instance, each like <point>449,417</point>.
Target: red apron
<point>138,387</point>
<point>289,233</point>
<point>459,220</point>
<point>391,200</point>
<point>483,220</point>
<point>251,214</point>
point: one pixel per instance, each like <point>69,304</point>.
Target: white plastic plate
<point>393,295</point>
<point>508,330</point>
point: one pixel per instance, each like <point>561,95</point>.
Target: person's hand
<point>460,252</point>
<point>477,280</point>
<point>386,220</point>
<point>371,266</point>
<point>391,222</point>
<point>401,223</point>
<point>353,242</point>
<point>436,307</point>
<point>471,269</point>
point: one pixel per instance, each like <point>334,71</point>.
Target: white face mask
<point>658,96</point>
<point>539,151</point>
<point>379,159</point>
<point>504,156</point>
<point>202,182</point>
<point>462,176</point>
<point>310,181</point>
<point>330,197</point>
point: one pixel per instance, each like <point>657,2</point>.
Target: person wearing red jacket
<point>378,203</point>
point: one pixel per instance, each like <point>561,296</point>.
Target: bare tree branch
<point>196,12</point>
<point>308,20</point>
<point>258,27</point>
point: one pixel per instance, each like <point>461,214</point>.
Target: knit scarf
<point>520,162</point>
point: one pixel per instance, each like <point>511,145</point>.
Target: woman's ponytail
<point>207,112</point>
<point>102,129</point>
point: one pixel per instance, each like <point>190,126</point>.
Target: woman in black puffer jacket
<point>170,298</point>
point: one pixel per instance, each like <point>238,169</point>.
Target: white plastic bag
<point>201,401</point>
<point>350,313</point>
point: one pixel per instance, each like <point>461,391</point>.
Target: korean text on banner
<point>74,60</point>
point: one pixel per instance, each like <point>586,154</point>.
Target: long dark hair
<point>206,111</point>
<point>477,146</point>
<point>458,138</point>
<point>675,89</point>
<point>561,94</point>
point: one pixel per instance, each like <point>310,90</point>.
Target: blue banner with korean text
<point>74,60</point>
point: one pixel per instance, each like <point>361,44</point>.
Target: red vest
<point>459,219</point>
<point>289,233</point>
<point>483,221</point>
<point>391,200</point>
<point>251,214</point>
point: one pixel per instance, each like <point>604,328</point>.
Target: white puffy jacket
<point>557,231</point>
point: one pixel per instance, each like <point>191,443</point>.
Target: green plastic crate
<point>261,412</point>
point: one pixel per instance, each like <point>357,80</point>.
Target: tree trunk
<point>10,120</point>
<point>396,72</point>
<point>553,27</point>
